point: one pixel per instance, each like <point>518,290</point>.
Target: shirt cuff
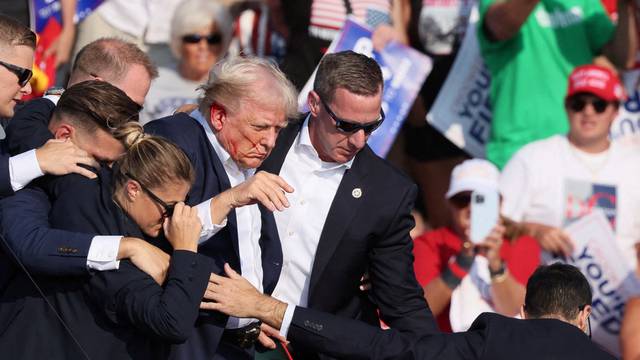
<point>208,227</point>
<point>103,253</point>
<point>286,321</point>
<point>23,168</point>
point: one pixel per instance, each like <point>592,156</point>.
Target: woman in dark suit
<point>123,313</point>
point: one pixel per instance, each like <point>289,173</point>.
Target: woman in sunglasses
<point>200,36</point>
<point>123,313</point>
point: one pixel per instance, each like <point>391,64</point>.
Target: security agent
<point>556,312</point>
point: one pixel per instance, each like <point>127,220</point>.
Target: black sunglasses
<point>212,39</point>
<point>352,127</point>
<point>461,200</point>
<point>24,75</point>
<point>168,208</point>
<point>579,102</point>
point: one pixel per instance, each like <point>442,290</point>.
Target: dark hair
<point>95,104</point>
<point>151,160</point>
<point>557,289</point>
<point>110,58</point>
<point>356,73</point>
<point>13,33</point>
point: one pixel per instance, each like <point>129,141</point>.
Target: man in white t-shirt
<point>552,182</point>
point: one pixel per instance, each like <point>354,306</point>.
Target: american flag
<point>328,16</point>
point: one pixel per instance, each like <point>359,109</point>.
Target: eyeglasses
<point>24,75</point>
<point>212,39</point>
<point>352,127</point>
<point>168,208</point>
<point>579,102</point>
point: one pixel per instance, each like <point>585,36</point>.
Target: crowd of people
<point>171,202</point>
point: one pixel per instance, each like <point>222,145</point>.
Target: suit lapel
<point>344,207</point>
<point>273,163</point>
<point>225,184</point>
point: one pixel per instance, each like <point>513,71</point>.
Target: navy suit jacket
<point>366,233</point>
<point>211,179</point>
<point>112,314</point>
<point>491,337</point>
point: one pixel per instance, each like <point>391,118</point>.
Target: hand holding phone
<point>485,211</point>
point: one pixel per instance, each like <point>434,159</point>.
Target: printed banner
<point>47,21</point>
<point>612,281</point>
<point>462,111</point>
<point>404,70</point>
<point>582,197</point>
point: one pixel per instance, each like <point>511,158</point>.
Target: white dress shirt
<point>248,218</point>
<point>299,226</point>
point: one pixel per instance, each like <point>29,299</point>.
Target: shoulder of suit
<point>379,167</point>
<point>175,126</point>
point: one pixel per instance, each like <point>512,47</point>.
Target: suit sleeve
<point>394,286</point>
<point>25,226</point>
<point>5,177</point>
<point>352,339</point>
<point>29,127</point>
<point>131,297</point>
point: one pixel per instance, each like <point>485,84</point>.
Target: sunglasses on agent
<point>352,127</point>
<point>168,208</point>
<point>24,75</point>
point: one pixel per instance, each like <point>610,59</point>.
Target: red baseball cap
<point>596,80</point>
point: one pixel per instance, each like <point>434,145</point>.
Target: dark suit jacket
<point>113,314</point>
<point>369,233</point>
<point>40,247</point>
<point>491,337</point>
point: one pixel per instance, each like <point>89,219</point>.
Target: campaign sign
<point>403,69</point>
<point>47,21</point>
<point>612,281</point>
<point>462,110</point>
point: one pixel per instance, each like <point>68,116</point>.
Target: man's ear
<point>64,131</point>
<point>218,116</point>
<point>523,314</point>
<point>314,103</point>
<point>583,317</point>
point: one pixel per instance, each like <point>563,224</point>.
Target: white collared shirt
<point>248,218</point>
<point>315,184</point>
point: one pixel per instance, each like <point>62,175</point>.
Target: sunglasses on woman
<point>212,39</point>
<point>352,127</point>
<point>24,75</point>
<point>168,208</point>
<point>579,102</point>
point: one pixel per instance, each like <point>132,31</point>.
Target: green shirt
<point>530,71</point>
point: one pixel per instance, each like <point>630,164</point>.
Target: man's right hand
<point>554,240</point>
<point>265,188</point>
<point>145,257</point>
<point>61,157</point>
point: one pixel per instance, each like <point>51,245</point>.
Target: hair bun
<point>130,134</point>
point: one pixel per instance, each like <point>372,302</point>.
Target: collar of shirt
<point>229,164</point>
<point>304,145</point>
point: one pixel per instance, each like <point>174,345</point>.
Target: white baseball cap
<point>474,175</point>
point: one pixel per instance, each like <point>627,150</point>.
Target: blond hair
<point>232,84</point>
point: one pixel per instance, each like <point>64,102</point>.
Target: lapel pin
<point>356,193</point>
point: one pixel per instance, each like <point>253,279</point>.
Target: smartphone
<point>485,210</point>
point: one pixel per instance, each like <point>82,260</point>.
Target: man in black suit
<point>557,308</point>
<point>350,212</point>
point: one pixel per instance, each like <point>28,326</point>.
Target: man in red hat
<point>552,182</point>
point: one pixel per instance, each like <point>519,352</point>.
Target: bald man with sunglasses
<point>552,182</point>
<point>350,212</point>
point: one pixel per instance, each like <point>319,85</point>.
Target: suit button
<point>74,251</point>
<point>60,249</point>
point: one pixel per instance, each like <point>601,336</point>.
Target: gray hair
<point>232,84</point>
<point>192,15</point>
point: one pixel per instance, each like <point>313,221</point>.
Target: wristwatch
<point>499,275</point>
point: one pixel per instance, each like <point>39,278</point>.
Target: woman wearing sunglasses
<point>123,313</point>
<point>200,36</point>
